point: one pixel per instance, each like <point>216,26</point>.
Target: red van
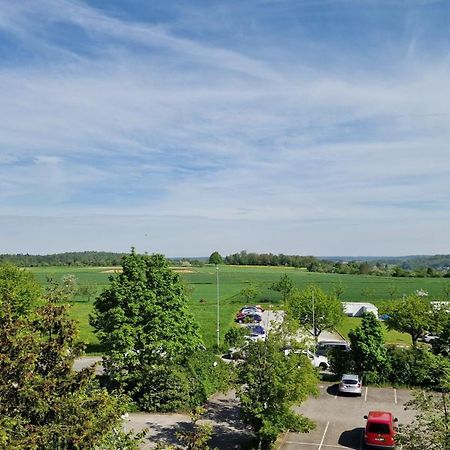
<point>380,430</point>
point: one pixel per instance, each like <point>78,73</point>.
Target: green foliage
<point>43,403</point>
<point>314,309</point>
<point>412,315</point>
<point>235,336</point>
<point>284,286</point>
<point>441,345</point>
<point>340,361</point>
<point>249,293</point>
<point>194,438</point>
<point>72,259</point>
<point>431,426</point>
<point>143,322</point>
<point>198,437</point>
<point>271,384</point>
<point>208,374</point>
<point>368,350</point>
<point>19,291</point>
<point>215,258</point>
<point>417,366</point>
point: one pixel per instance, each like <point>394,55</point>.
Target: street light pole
<point>218,307</point>
<point>313,318</point>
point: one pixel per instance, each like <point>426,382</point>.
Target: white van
<point>323,347</point>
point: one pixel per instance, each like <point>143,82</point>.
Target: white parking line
<point>312,445</point>
<point>323,437</point>
<point>395,396</point>
<point>365,395</point>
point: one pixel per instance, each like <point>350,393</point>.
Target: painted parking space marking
<point>309,444</point>
<point>365,395</point>
<point>323,437</point>
<point>395,396</point>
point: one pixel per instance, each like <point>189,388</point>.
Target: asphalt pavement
<point>340,419</point>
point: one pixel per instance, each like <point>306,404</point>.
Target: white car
<point>350,384</point>
<point>318,361</point>
<point>428,338</point>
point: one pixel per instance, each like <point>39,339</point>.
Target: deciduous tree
<point>431,426</point>
<point>314,309</point>
<point>215,258</point>
<point>44,404</point>
<point>284,286</point>
<point>142,320</point>
<point>413,315</point>
<point>368,350</point>
<point>272,383</point>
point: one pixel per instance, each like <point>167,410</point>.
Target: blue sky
<point>297,126</point>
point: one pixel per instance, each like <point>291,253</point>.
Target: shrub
<point>417,367</point>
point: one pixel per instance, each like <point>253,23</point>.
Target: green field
<point>202,287</point>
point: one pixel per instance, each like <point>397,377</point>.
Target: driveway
<point>340,420</point>
<point>222,412</point>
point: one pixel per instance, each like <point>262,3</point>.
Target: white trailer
<point>357,309</point>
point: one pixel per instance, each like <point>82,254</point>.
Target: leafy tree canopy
<point>19,291</point>
<point>272,383</point>
<point>215,258</point>
<point>368,349</point>
<point>431,426</point>
<point>413,315</point>
<point>43,403</point>
<point>284,286</point>
<point>142,320</point>
<point>314,309</point>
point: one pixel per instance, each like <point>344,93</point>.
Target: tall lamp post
<point>314,318</point>
<point>218,306</point>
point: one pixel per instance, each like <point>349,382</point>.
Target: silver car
<point>350,384</point>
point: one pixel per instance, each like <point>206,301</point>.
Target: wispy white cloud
<point>152,123</point>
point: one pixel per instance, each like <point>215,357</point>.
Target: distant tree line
<point>88,258</point>
<point>313,264</point>
<point>269,259</point>
<point>83,259</point>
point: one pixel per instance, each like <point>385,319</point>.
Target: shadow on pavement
<point>351,438</point>
<point>159,433</point>
<point>333,389</point>
<point>229,432</point>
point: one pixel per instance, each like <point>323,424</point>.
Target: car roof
<point>380,416</point>
<point>349,376</point>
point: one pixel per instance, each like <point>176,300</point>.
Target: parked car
<point>236,353</point>
<point>256,332</point>
<point>318,361</point>
<point>380,430</point>
<point>252,308</point>
<point>248,317</point>
<point>429,337</point>
<point>323,347</point>
<point>350,384</point>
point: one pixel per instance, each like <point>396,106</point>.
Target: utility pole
<point>218,307</point>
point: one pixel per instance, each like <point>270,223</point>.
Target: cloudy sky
<point>298,126</point>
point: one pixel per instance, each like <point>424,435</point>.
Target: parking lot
<point>340,420</point>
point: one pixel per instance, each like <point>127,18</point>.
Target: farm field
<point>201,282</point>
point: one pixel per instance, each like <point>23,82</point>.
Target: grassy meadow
<point>201,282</point>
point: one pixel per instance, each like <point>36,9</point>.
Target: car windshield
<point>380,428</point>
<point>346,381</point>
